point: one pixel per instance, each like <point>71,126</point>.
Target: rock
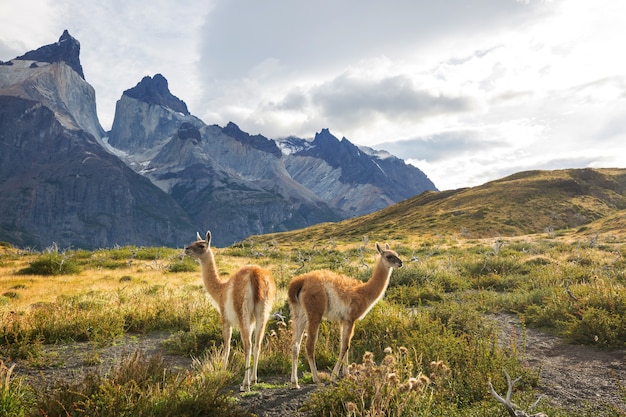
<point>67,50</point>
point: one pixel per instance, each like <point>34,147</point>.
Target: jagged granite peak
<point>67,50</point>
<point>259,142</point>
<point>342,153</point>
<point>146,117</point>
<point>155,90</point>
<point>354,179</point>
<point>58,85</point>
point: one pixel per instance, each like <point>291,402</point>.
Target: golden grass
<point>25,291</point>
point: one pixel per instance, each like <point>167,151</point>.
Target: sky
<point>468,91</point>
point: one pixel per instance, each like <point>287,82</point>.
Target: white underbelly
<point>337,309</point>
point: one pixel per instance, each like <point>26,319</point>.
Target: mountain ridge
<point>274,192</point>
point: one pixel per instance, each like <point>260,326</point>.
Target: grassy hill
<point>524,203</point>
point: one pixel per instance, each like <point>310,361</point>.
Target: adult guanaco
<point>244,302</point>
<point>325,294</point>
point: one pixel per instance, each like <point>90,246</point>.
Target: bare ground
<point>570,376</point>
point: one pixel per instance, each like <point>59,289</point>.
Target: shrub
<point>546,315</point>
<point>597,327</point>
<point>390,388</point>
<point>183,264</point>
<point>11,294</point>
<point>276,350</point>
<point>499,265</point>
<point>412,296</point>
<point>204,331</point>
<point>52,264</point>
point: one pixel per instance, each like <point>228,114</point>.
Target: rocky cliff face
<point>57,183</point>
<point>146,116</point>
<point>56,86</point>
<point>54,76</point>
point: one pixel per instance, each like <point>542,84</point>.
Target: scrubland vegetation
<point>428,348</point>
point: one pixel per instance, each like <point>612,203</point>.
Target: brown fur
<point>244,302</point>
<point>326,294</point>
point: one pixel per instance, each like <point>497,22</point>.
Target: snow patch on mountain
<point>292,145</point>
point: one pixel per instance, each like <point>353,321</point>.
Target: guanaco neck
<point>377,284</point>
<point>210,277</point>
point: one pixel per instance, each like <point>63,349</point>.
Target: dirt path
<point>570,375</point>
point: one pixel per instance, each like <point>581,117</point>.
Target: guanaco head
<point>200,247</point>
<point>388,257</point>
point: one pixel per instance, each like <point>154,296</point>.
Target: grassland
<point>568,281</point>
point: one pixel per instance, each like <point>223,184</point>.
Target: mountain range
<point>161,174</point>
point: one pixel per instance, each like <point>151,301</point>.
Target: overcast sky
<point>467,90</point>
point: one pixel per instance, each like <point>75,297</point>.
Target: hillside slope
<point>523,203</point>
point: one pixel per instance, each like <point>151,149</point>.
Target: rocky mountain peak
<point>328,144</point>
<point>155,90</point>
<point>324,137</point>
<point>67,50</point>
<point>337,153</point>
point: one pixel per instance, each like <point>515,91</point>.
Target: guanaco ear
<point>387,246</point>
<point>208,236</point>
<point>198,237</point>
<point>378,248</point>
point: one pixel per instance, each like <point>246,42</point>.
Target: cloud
<point>477,168</point>
<point>26,25</point>
<point>442,146</point>
<point>368,71</point>
<point>348,100</point>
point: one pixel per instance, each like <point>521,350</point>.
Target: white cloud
<point>26,25</point>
